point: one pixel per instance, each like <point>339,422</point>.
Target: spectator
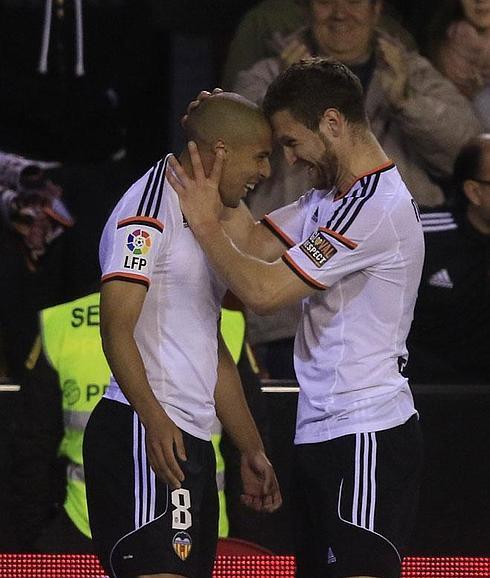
<point>459,46</point>
<point>451,329</point>
<point>418,116</point>
<point>421,120</point>
<point>34,227</point>
<point>254,37</point>
<point>264,30</point>
<point>66,376</point>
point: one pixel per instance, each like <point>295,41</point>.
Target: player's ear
<point>331,123</point>
<point>472,192</point>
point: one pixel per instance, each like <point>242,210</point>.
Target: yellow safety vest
<point>233,332</point>
<point>72,345</point>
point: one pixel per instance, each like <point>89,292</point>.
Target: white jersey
<point>364,252</point>
<point>146,240</point>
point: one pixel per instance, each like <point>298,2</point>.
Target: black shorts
<point>139,525</point>
<point>354,501</point>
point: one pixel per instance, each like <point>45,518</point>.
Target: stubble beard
<point>326,170</point>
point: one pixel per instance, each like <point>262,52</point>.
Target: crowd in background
<point>92,94</point>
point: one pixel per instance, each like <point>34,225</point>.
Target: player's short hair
<point>309,87</point>
<point>225,115</point>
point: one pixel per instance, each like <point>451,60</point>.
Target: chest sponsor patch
<point>318,248</point>
<point>138,245</point>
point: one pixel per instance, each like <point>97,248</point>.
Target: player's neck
<point>363,157</point>
<point>185,161</point>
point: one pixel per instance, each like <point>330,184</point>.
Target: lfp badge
<point>139,242</point>
<point>182,544</point>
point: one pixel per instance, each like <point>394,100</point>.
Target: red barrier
<point>262,566</point>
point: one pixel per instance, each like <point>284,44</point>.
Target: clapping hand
<point>392,72</point>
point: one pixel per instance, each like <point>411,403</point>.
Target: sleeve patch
<point>138,244</point>
<point>318,248</point>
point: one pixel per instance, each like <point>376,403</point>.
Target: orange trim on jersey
<point>131,277</point>
<point>340,238</point>
<point>275,229</point>
<point>387,165</point>
<point>141,220</point>
<point>302,274</point>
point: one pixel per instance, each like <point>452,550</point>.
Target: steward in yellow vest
<point>68,355</point>
<point>71,343</point>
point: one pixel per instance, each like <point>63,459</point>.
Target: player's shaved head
<point>230,123</point>
<point>225,116</point>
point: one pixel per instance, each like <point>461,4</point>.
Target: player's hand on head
<point>199,196</point>
<point>260,486</point>
<point>165,447</point>
<point>193,104</point>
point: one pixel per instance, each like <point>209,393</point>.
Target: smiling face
<point>477,12</point>
<point>229,122</point>
<point>308,148</point>
<point>345,29</point>
<point>246,164</point>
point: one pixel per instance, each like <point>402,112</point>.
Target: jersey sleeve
<point>287,223</point>
<point>137,231</point>
<point>326,255</point>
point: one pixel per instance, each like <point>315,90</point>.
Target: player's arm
<point>120,307</point>
<point>263,287</point>
<point>260,487</point>
<point>251,236</point>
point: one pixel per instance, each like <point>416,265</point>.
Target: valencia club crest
<point>182,544</point>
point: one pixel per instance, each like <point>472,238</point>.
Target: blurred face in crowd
<point>246,164</point>
<point>307,148</point>
<point>345,29</point>
<point>478,190</point>
<point>477,12</point>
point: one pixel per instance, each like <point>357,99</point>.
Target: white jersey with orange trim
<point>364,252</point>
<point>146,240</point>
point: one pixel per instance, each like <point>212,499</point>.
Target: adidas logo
<point>441,279</point>
<point>331,558</point>
<point>314,217</point>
